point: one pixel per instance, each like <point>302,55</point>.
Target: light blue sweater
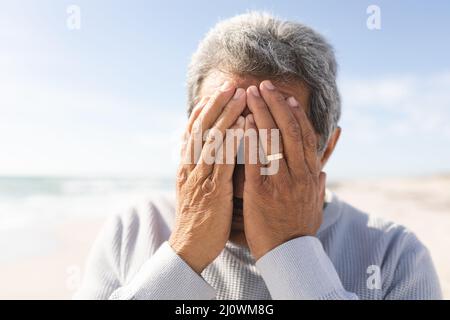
<point>354,256</point>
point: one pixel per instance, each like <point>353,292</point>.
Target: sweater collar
<point>331,211</point>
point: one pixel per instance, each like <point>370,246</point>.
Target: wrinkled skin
<point>276,208</point>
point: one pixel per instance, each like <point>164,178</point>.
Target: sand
<point>421,204</point>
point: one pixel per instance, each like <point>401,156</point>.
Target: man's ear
<point>332,142</point>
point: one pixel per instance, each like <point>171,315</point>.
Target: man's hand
<point>204,188</point>
<point>288,204</point>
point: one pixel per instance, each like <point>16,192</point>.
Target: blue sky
<point>109,99</point>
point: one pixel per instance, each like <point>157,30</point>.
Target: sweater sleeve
<point>300,269</point>
<point>414,276</point>
<point>164,275</point>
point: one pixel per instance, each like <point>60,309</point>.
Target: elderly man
<point>236,233</point>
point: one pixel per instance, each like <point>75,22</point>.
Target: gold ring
<point>276,156</point>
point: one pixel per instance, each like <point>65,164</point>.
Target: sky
<point>109,99</point>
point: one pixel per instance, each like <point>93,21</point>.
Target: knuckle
<point>231,106</point>
<point>209,187</point>
<point>212,137</point>
<point>182,173</point>
<point>279,98</point>
<point>197,125</point>
<point>196,177</point>
<point>181,177</point>
<point>209,140</point>
<point>227,111</point>
<point>309,139</point>
<point>260,105</point>
<point>293,129</point>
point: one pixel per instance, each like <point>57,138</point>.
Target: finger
<point>231,112</point>
<point>251,146</point>
<point>289,127</point>
<point>266,127</point>
<point>208,115</point>
<point>309,137</point>
<point>223,171</point>
<point>215,105</point>
<point>215,136</point>
<point>195,113</point>
<point>187,133</point>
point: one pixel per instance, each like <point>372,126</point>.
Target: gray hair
<point>260,45</point>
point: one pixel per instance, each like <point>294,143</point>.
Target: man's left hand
<point>287,204</point>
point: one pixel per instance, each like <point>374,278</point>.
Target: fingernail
<point>292,102</point>
<point>226,86</point>
<point>268,85</point>
<point>240,121</point>
<point>238,93</point>
<point>254,90</point>
<point>251,119</point>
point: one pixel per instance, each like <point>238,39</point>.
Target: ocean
<point>32,208</point>
<point>33,201</point>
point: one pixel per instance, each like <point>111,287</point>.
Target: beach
<point>48,261</point>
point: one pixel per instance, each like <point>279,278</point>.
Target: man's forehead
<point>214,80</point>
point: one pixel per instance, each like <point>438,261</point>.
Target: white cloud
<point>397,106</point>
<point>45,130</point>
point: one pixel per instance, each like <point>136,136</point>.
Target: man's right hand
<point>204,188</point>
